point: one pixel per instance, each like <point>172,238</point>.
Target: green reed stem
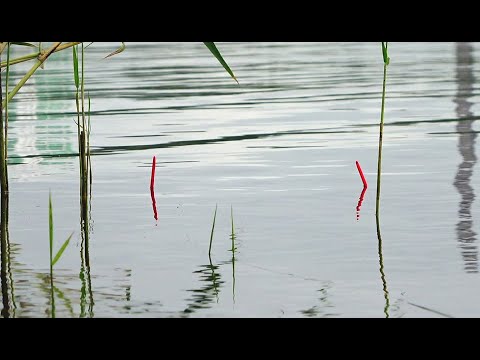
<point>2,142</point>
<point>386,61</point>
<point>211,234</point>
<point>7,76</point>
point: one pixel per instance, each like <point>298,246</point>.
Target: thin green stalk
<point>211,234</point>
<point>77,103</point>
<point>7,76</point>
<point>386,61</point>
<point>84,149</point>
<point>3,174</point>
<point>36,55</point>
<point>27,76</point>
<point>233,229</point>
<point>54,260</point>
<point>88,149</point>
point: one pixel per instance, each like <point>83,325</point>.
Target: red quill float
<point>152,189</point>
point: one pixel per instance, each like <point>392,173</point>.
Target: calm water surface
<point>280,149</point>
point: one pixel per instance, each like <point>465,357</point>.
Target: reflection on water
<point>33,294</point>
<point>324,307</point>
<point>360,200</point>
<point>382,270</point>
<point>7,285</point>
<point>86,280</point>
<point>466,145</point>
<point>205,296</point>
<point>37,124</point>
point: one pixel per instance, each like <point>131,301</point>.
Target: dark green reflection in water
<point>204,297</point>
<point>382,273</point>
<point>322,309</point>
<point>6,279</point>
<point>86,281</point>
<point>466,146</point>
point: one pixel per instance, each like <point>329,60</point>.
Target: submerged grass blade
<point>213,48</point>
<point>62,249</point>
<point>213,228</point>
<point>118,51</point>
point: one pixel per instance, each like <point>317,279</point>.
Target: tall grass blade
<point>213,49</point>
<point>213,228</point>
<point>75,67</point>
<point>62,249</point>
<point>116,52</point>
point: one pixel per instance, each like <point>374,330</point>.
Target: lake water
<point>280,150</point>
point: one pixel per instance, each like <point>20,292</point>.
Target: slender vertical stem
<point>3,173</point>
<point>380,141</point>
<point>6,110</point>
<point>386,61</point>
<point>211,234</point>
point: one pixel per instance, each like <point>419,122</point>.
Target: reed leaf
<point>75,67</point>
<point>62,249</point>
<point>213,49</point>
<point>118,51</point>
